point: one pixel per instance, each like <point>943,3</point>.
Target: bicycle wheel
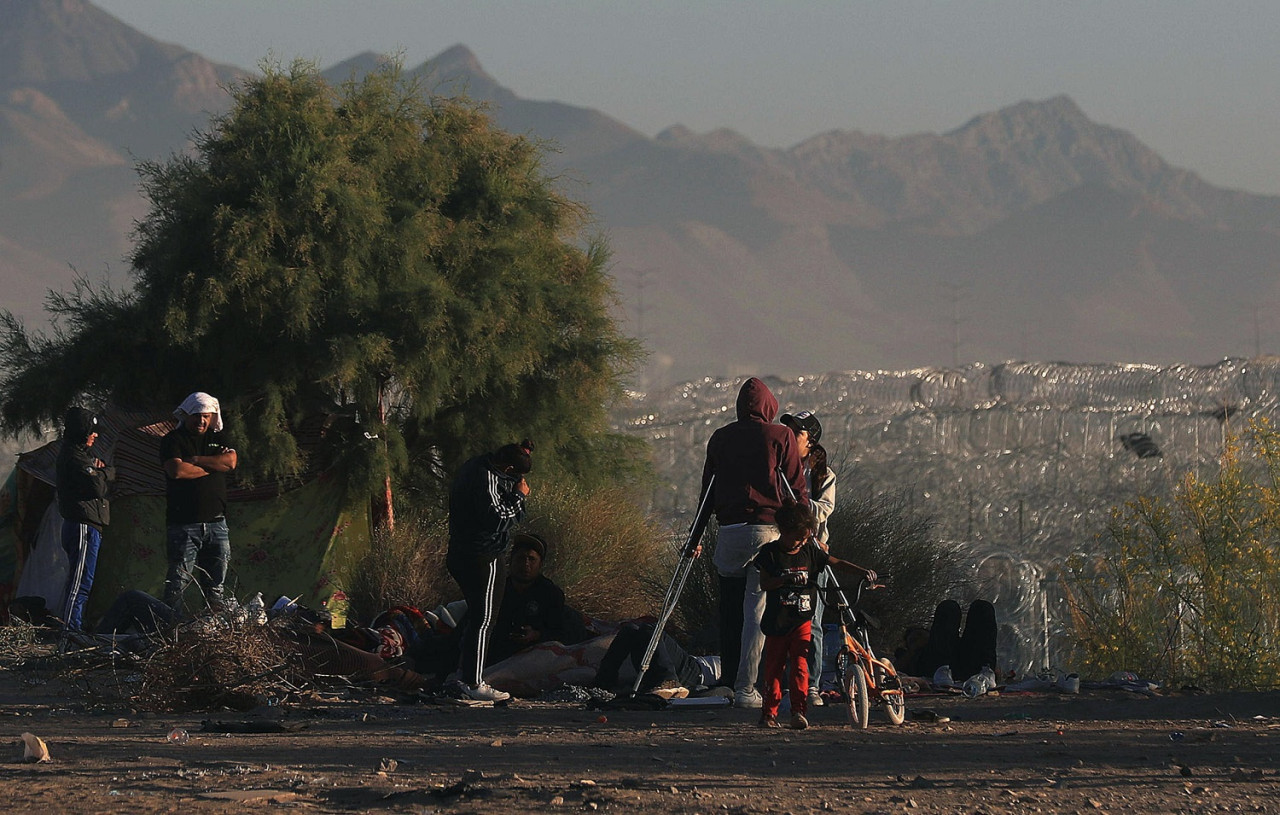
<point>856,695</point>
<point>895,701</point>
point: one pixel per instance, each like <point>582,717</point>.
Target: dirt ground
<point>1099,751</point>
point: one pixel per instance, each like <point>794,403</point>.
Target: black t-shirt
<point>193,500</point>
<point>788,606</point>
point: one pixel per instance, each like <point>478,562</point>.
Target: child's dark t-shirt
<point>788,606</point>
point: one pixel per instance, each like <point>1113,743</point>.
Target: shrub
<point>880,531</point>
<point>601,549</point>
<point>1188,587</point>
<point>403,567</point>
<point>873,530</point>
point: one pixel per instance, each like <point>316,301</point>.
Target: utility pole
<point>953,290</point>
<point>642,283</point>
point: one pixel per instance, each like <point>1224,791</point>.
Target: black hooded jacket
<point>82,485</point>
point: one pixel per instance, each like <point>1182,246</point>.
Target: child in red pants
<point>789,569</point>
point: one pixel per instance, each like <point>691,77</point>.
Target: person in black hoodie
<point>83,483</point>
<point>486,500</point>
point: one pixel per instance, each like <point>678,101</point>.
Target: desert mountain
<point>1029,232</point>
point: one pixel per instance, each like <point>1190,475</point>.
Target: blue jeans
<point>201,551</point>
<point>81,543</point>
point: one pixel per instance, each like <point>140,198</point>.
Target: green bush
<point>1187,588</point>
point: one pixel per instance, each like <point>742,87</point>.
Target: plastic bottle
<point>256,610</point>
<point>178,736</point>
<point>337,605</point>
<point>980,683</point>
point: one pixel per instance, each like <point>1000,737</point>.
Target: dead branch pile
<point>17,640</point>
<point>221,663</point>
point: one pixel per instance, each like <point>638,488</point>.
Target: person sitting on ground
<point>532,609</point>
<point>673,672</point>
<point>963,654</point>
<point>789,569</point>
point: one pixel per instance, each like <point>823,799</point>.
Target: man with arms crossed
<point>196,465</point>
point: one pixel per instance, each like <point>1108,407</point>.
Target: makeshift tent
<point>299,538</point>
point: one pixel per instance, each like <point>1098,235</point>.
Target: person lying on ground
<point>136,614</point>
<point>670,668</point>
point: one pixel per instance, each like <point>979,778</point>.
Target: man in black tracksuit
<point>83,480</point>
<point>486,500</point>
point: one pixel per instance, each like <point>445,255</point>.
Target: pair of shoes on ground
<point>480,692</point>
<point>798,722</point>
<point>749,698</point>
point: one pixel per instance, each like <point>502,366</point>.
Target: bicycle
<point>863,676</point>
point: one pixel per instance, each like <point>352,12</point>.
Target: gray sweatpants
<point>736,545</point>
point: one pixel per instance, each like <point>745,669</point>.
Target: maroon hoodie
<point>745,455</point>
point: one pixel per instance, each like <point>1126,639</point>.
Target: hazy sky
<point>1199,82</point>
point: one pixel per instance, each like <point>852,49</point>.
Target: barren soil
<point>1099,751</point>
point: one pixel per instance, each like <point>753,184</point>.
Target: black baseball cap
<point>804,420</point>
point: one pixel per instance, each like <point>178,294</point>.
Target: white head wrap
<point>201,402</point>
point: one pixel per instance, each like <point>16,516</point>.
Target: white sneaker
<point>749,698</point>
<point>815,698</point>
<point>484,692</point>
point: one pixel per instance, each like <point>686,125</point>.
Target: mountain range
<point>1031,232</point>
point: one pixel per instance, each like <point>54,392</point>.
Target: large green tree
<point>365,251</point>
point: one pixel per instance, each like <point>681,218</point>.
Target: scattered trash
<point>120,723</point>
<point>34,749</point>
<point>1220,724</point>
<point>178,736</point>
<point>980,683</point>
<point>602,719</point>
<point>1176,736</point>
<point>387,765</point>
